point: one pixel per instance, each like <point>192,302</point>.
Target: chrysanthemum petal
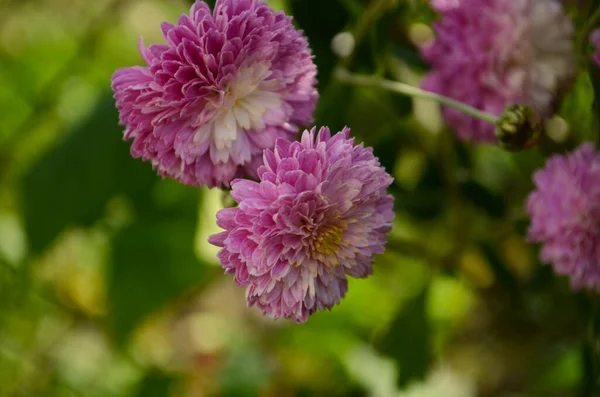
<point>319,214</point>
<point>239,79</point>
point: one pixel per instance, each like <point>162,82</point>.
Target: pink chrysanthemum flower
<point>223,88</point>
<point>565,215</point>
<point>319,213</point>
<point>490,54</point>
<point>595,39</point>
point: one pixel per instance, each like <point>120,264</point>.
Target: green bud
<point>519,128</point>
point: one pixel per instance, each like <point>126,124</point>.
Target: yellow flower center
<point>328,242</point>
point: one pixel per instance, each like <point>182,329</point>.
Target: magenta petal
<point>218,239</point>
<point>201,77</point>
<point>318,215</point>
<point>565,215</point>
<point>477,58</point>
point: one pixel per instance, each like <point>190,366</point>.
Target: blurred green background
<point>109,288</point>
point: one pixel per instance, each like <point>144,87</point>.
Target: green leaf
<point>153,262</point>
<point>408,342</point>
<point>559,373</point>
<point>154,384</point>
<point>577,108</point>
<point>71,184</point>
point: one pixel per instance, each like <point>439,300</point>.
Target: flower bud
<point>519,128</point>
<point>342,44</point>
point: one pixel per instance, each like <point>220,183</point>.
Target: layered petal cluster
<point>224,87</point>
<point>565,215</point>
<point>319,214</point>
<point>490,54</point>
<point>595,39</point>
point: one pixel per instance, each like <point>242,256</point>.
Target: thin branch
<point>408,90</point>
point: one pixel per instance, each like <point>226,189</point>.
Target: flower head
<point>565,215</point>
<point>319,213</point>
<point>224,87</point>
<point>490,54</point>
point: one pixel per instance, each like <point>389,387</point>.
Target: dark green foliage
<point>506,278</point>
<point>245,373</point>
<point>578,108</point>
<point>595,78</point>
<point>321,21</point>
<point>459,218</point>
<point>154,384</point>
<point>332,108</point>
<point>408,342</point>
<point>427,200</point>
<point>482,197</point>
<point>211,3</point>
<point>71,184</point>
<point>411,56</point>
<point>153,262</point>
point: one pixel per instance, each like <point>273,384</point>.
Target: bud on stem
<point>519,128</point>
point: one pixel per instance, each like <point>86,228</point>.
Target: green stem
<point>408,90</point>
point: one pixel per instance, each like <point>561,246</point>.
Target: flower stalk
<point>345,76</point>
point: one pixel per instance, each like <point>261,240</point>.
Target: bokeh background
<point>109,288</point>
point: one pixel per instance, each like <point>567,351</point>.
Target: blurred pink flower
<point>595,39</point>
<point>319,213</point>
<point>223,88</point>
<point>565,215</point>
<point>490,54</point>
